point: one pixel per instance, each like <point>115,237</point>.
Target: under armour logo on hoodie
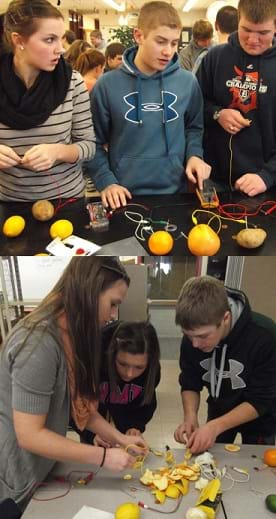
<point>166,106</point>
<point>236,368</point>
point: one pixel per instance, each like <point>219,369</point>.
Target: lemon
<point>13,226</point>
<point>127,511</point>
<point>61,229</point>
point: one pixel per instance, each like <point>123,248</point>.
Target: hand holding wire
<point>232,121</point>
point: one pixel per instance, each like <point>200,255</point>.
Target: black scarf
<point>22,108</point>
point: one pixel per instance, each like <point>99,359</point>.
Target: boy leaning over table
<point>148,116</point>
<point>230,350</point>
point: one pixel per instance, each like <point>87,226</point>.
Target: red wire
<point>59,202</point>
<point>222,209</point>
<point>61,479</point>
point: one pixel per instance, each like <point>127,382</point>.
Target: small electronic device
<point>98,216</point>
<point>72,246</point>
<point>208,197</point>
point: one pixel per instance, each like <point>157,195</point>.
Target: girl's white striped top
<point>70,123</point>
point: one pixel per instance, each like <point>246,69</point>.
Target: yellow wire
<point>231,162</point>
<point>215,215</point>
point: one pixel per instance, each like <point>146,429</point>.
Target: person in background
<point>130,373</point>
<point>45,119</point>
<point>1,33</point>
<point>90,64</point>
<point>237,81</point>
<point>226,23</point>
<point>149,128</point>
<point>50,367</point>
<point>113,56</point>
<point>75,50</point>
<point>230,350</point>
<point>202,32</point>
<point>97,40</point>
<point>68,38</point>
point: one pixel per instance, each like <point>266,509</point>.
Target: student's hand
<point>251,184</point>
<point>184,430</point>
<point>197,170</point>
<point>118,459</point>
<point>100,442</point>
<point>8,157</point>
<point>232,121</point>
<point>136,444</point>
<point>203,438</point>
<point>41,157</point>
<point>115,196</point>
<point>134,432</point>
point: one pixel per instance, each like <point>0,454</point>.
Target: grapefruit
<point>203,240</point>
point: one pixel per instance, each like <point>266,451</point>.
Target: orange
<point>160,243</point>
<point>203,241</point>
<point>270,457</point>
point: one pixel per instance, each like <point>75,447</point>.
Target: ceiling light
<point>189,5</point>
<point>114,5</point>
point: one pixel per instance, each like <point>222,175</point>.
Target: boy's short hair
<point>69,36</point>
<point>154,14</point>
<point>227,19</point>
<point>202,301</point>
<point>257,11</point>
<point>202,30</point>
<point>114,49</point>
<point>96,33</point>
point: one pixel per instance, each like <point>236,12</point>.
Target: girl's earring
<point>21,47</point>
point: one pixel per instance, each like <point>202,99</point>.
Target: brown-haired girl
<point>90,64</point>
<point>50,369</point>
<point>45,119</point>
<point>130,373</point>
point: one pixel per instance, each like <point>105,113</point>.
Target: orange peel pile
<point>170,481</point>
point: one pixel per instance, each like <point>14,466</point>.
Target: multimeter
<point>208,197</point>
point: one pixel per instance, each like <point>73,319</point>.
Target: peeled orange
<point>160,243</point>
<point>203,241</point>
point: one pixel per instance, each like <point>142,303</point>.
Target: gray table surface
<point>107,490</point>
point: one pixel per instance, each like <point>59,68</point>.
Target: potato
<point>251,238</point>
<point>43,210</point>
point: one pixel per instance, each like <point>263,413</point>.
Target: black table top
<point>177,209</point>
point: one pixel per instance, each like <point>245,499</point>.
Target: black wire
<point>223,509</point>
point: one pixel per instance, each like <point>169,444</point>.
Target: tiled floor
<point>169,414</point>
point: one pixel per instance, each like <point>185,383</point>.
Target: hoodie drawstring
<point>139,102</point>
<point>165,112</point>
<point>215,387</point>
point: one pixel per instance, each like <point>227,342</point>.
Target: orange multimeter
<point>208,198</point>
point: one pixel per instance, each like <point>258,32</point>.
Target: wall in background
<point>259,283</point>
